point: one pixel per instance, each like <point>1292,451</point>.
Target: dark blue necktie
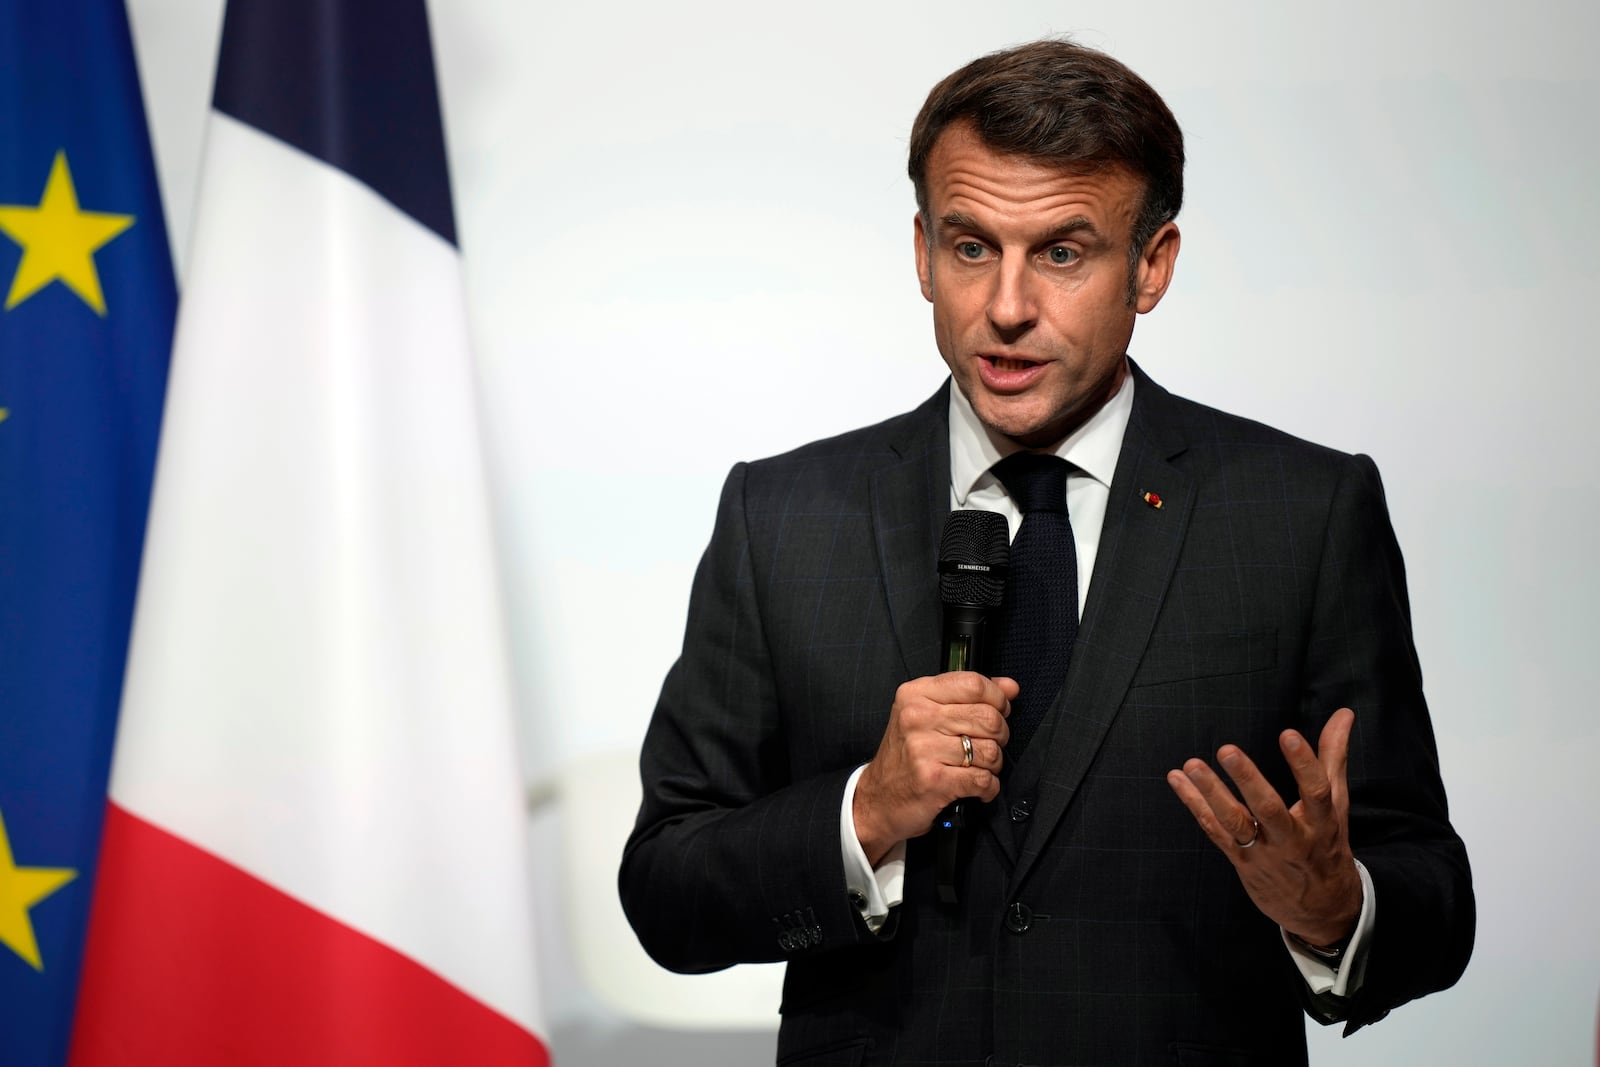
<point>1039,618</point>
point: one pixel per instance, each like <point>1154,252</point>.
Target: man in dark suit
<point>1229,590</point>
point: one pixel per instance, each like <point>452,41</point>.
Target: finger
<point>1316,793</point>
<point>939,704</point>
<point>938,754</point>
<point>974,720</point>
<point>1263,800</point>
<point>1183,785</point>
<point>1333,748</point>
<point>970,687</point>
<point>1235,822</point>
<point>975,782</point>
<point>988,754</point>
<point>1010,688</point>
<point>966,752</point>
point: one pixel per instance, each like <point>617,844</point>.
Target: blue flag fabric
<point>87,304</point>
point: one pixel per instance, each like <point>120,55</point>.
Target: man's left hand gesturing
<point>1295,862</point>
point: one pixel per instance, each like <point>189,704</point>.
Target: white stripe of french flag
<point>316,849</point>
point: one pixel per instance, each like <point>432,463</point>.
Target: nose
<point>1013,308</point>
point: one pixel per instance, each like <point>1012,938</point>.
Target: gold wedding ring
<point>966,753</point>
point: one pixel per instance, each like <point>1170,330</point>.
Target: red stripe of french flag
<point>206,965</point>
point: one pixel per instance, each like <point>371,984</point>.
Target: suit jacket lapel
<point>910,499</point>
<point>1139,546</point>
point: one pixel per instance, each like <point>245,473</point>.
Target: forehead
<point>968,178</point>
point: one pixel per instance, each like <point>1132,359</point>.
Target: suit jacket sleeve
<point>1360,653</point>
<point>731,860</point>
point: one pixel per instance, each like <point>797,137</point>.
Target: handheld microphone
<point>974,552</point>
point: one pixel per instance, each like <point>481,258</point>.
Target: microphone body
<point>974,551</point>
<point>966,637</point>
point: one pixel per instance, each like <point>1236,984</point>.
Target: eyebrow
<point>957,221</point>
<point>1076,225</point>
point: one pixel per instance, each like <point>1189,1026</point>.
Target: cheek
<point>946,324</point>
<point>950,349</point>
<point>1098,323</point>
<point>957,311</point>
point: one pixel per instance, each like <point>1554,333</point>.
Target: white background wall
<point>688,241</point>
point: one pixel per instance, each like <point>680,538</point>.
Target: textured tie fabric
<point>1039,618</point>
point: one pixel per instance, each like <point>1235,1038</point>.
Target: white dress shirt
<point>1092,450</point>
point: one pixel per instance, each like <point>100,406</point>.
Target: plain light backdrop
<point>687,235</point>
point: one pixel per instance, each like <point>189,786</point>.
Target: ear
<point>1155,268</point>
<point>924,266</point>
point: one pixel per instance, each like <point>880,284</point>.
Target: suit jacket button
<point>1018,918</point>
<point>858,898</point>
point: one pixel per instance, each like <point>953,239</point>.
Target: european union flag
<point>86,312</point>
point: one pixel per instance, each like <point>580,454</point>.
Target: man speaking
<point>1207,792</point>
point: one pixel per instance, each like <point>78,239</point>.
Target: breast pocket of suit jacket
<point>1224,664</point>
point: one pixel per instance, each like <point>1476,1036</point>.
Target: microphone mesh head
<point>973,555</point>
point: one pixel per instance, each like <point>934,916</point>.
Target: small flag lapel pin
<point>1153,499</point>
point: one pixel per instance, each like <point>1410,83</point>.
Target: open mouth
<point>1008,364</point>
<point>1009,374</point>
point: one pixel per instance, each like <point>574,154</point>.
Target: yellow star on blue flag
<point>58,240</point>
<point>20,889</point>
<point>87,305</point>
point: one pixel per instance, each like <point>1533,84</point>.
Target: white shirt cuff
<point>874,890</point>
<point>1344,981</point>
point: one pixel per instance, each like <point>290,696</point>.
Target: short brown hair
<point>1065,104</point>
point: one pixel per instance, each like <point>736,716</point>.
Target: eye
<point>969,250</point>
<point>1061,255</point>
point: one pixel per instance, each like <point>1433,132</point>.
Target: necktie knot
<point>1036,482</point>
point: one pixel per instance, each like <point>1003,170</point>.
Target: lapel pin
<point>1153,499</point>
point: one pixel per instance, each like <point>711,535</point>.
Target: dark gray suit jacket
<point>1266,592</point>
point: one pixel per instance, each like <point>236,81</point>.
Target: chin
<point>1026,427</point>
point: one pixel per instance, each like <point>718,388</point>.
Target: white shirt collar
<point>1093,448</point>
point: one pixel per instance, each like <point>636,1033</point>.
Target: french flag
<point>315,851</point>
